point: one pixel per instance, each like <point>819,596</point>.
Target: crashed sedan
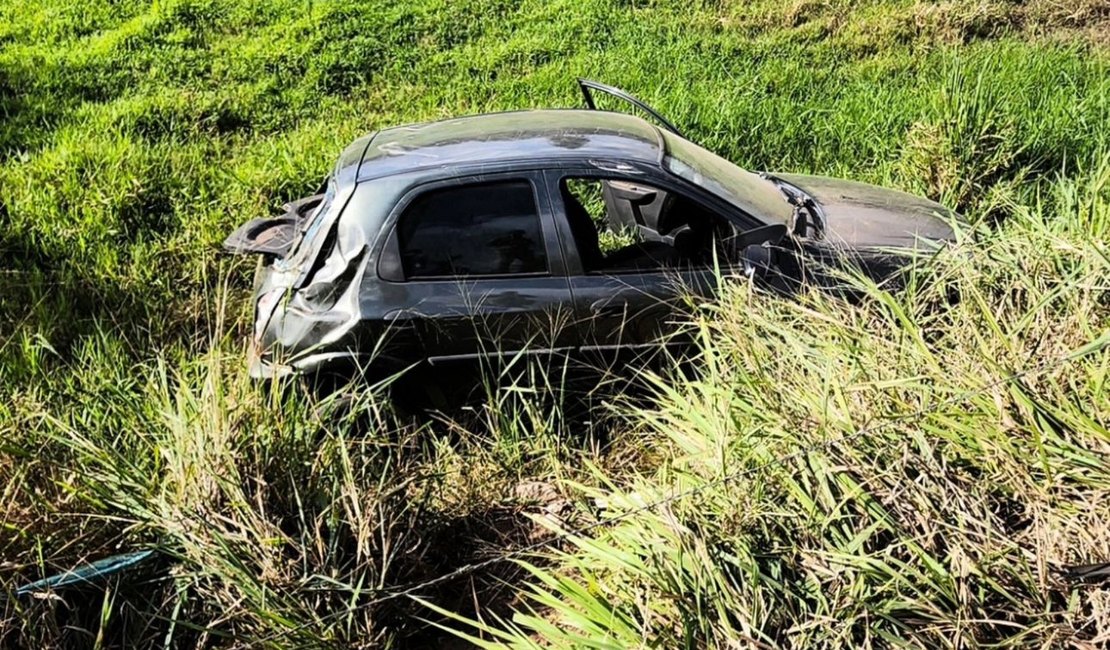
<point>569,231</point>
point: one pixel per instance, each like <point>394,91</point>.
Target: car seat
<point>690,230</point>
<point>584,231</point>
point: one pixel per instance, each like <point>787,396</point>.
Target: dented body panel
<point>858,215</point>
<point>353,291</point>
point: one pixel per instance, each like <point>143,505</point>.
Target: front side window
<point>628,227</point>
<point>485,229</point>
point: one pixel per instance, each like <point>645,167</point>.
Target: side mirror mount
<point>757,260</point>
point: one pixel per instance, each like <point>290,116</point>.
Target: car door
<point>478,268</point>
<point>629,295</point>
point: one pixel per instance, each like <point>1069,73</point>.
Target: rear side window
<point>486,229</point>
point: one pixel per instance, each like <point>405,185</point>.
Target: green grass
<point>135,136</point>
<point>944,523</point>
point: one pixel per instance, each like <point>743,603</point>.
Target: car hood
<point>859,215</point>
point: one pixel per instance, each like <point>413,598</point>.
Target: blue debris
<point>88,573</point>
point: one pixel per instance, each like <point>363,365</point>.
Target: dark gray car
<point>537,231</point>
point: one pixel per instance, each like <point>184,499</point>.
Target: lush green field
<point>135,136</point>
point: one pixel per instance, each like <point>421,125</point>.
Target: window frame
<point>390,266</point>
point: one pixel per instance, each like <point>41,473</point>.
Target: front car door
<point>478,266</point>
<point>635,247</point>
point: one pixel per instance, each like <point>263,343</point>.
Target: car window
<point>482,229</point>
<point>625,226</point>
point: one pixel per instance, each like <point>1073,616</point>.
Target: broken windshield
<point>747,191</point>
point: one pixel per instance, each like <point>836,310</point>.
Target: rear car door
<point>476,265</point>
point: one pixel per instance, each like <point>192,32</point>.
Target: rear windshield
<point>747,191</point>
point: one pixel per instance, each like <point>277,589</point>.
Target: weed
<point>135,136</point>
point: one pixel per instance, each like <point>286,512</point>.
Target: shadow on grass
<point>463,404</point>
<point>48,298</point>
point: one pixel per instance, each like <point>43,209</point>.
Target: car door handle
<point>612,305</point>
<point>608,310</point>
<point>400,320</point>
<point>619,300</point>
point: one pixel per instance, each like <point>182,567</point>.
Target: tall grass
<point>136,135</point>
<point>275,510</point>
<point>945,529</point>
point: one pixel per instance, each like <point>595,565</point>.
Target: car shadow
<point>575,394</point>
<point>453,403</point>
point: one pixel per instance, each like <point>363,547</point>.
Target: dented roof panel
<point>346,167</point>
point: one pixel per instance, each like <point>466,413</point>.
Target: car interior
<point>621,226</point>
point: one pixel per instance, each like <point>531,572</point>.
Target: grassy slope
<point>136,135</point>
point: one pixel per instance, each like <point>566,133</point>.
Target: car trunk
<point>272,237</point>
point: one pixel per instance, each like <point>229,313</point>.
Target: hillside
<point>911,469</point>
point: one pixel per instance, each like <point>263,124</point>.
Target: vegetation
<point>136,135</point>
